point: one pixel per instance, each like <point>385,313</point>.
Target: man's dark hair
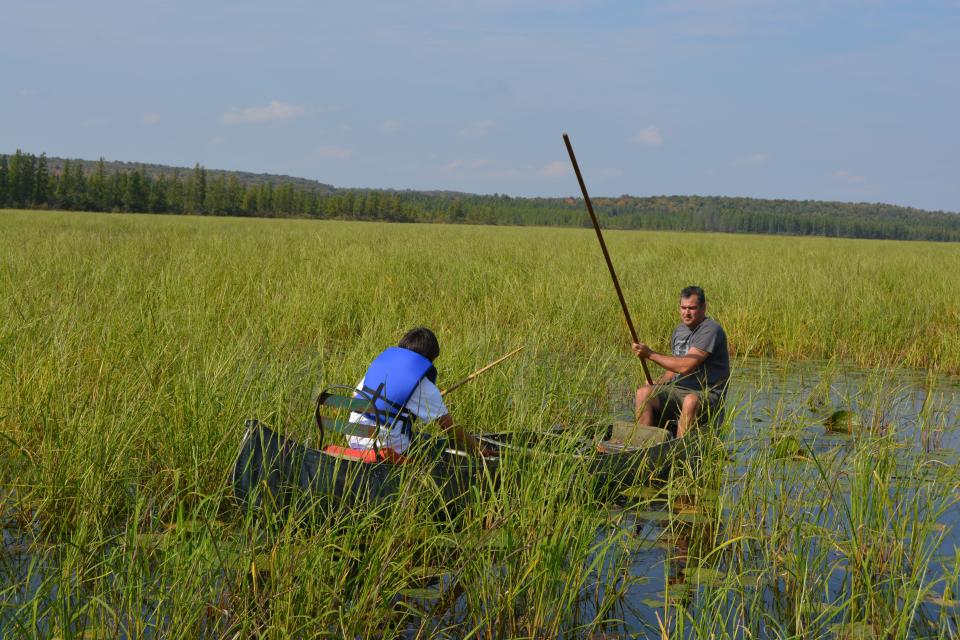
<point>694,290</point>
<point>422,341</point>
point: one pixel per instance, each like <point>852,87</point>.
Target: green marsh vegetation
<point>133,347</point>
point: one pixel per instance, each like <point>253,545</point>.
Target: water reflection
<point>789,415</point>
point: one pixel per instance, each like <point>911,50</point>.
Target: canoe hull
<point>274,473</point>
<point>618,455</point>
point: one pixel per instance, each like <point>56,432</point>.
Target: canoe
<point>617,454</point>
<point>631,455</point>
<point>275,473</point>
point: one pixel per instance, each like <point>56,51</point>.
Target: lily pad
<point>853,631</point>
<point>654,516</point>
<point>425,593</point>
<point>426,572</point>
<point>642,492</point>
<point>678,593</point>
<point>842,421</point>
<point>704,576</point>
<point>692,518</point>
<point>943,603</point>
<point>817,400</point>
<point>648,545</point>
<point>946,456</point>
<point>786,447</point>
<point>153,541</point>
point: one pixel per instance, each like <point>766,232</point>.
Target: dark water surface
<point>781,410</point>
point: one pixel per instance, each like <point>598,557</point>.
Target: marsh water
<point>803,419</point>
<point>802,422</point>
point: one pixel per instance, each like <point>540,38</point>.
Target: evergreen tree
<point>283,199</point>
<point>98,187</point>
<point>80,187</point>
<point>215,202</point>
<point>64,192</point>
<point>373,205</point>
<point>136,196</point>
<point>158,195</point>
<point>176,194</point>
<point>21,173</point>
<point>41,183</point>
<point>235,195</point>
<point>4,181</point>
<point>197,190</point>
<point>116,187</point>
<point>249,204</point>
<point>265,199</point>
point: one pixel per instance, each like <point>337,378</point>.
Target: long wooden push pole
<point>606,254</point>
<point>479,371</point>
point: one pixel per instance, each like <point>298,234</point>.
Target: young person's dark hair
<point>421,340</point>
<point>694,290</point>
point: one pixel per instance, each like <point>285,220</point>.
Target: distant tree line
<point>31,182</point>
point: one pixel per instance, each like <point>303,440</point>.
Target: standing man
<point>695,380</point>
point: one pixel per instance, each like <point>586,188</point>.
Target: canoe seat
<point>366,456</point>
<point>626,435</point>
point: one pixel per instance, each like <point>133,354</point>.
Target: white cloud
<point>335,151</point>
<point>479,163</point>
<point>151,118</point>
<point>846,176</point>
<point>751,160</point>
<point>391,126</point>
<point>215,142</point>
<point>477,129</point>
<point>276,110</point>
<point>450,167</point>
<point>555,169</point>
<point>650,136</point>
<point>26,93</point>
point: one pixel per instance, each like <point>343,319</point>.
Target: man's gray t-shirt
<point>707,336</point>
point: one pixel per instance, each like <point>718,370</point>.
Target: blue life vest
<point>393,376</point>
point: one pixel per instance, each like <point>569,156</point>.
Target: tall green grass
<point>132,348</point>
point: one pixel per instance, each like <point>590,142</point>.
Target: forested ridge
<point>36,182</point>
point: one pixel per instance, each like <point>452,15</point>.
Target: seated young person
<point>406,378</point>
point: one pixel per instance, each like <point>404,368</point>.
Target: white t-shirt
<point>426,403</point>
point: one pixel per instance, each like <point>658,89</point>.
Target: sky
<point>847,100</point>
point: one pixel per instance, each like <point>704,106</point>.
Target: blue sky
<point>844,100</point>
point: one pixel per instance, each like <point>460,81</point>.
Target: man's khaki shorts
<point>671,397</point>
